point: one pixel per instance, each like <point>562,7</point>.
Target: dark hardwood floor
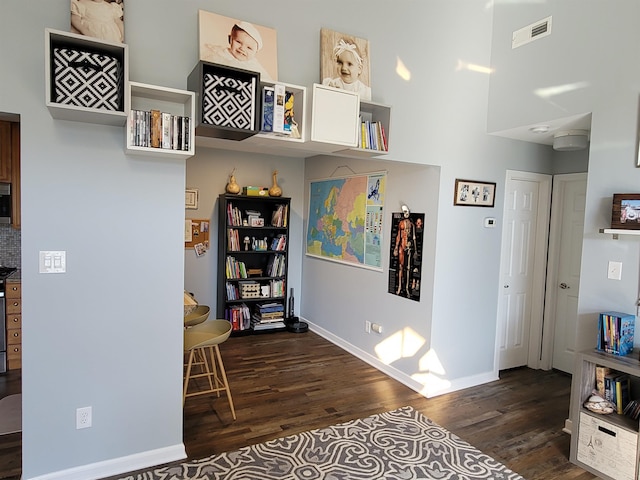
<point>287,383</point>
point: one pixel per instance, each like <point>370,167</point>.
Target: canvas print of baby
<point>103,19</point>
<point>238,43</point>
<point>345,62</point>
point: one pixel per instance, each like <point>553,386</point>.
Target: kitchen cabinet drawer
<point>13,290</point>
<point>14,305</point>
<point>14,337</point>
<point>14,321</point>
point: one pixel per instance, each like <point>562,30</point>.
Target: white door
<point>563,281</point>
<point>522,268</point>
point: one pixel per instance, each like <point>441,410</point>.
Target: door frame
<point>549,317</point>
<point>539,265</point>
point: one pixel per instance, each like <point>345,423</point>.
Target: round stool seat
<point>197,315</point>
<point>211,332</point>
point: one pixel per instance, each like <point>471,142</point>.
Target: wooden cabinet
<point>5,151</point>
<point>252,262</point>
<point>605,445</point>
<point>14,324</point>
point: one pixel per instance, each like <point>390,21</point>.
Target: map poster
<point>405,261</point>
<point>346,219</point>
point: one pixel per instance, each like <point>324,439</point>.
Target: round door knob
<point>564,286</point>
<point>506,286</point>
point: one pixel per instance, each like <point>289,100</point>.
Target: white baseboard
<point>425,390</point>
<point>117,466</point>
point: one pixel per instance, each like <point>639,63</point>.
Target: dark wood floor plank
<point>284,384</point>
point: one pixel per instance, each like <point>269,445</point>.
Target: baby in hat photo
<point>239,44</point>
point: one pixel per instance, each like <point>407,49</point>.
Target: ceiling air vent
<point>531,32</point>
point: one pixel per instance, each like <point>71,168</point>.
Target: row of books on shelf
<point>235,269</point>
<point>234,215</point>
<point>614,386</point>
<point>158,129</point>
<point>279,242</point>
<point>280,215</point>
<point>616,332</point>
<point>277,110</point>
<point>239,316</point>
<point>372,136</point>
<point>276,267</point>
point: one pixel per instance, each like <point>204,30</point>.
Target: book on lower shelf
<point>616,332</point>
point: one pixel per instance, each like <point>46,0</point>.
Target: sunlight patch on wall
<point>549,92</point>
<point>472,67</point>
<point>402,344</point>
<point>402,71</point>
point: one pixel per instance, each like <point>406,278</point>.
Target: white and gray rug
<point>397,445</point>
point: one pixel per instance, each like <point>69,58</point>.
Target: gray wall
<point>597,74</point>
<point>108,333</point>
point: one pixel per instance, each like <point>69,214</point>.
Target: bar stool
<point>196,316</point>
<point>201,343</point>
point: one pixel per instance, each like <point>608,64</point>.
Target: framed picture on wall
<point>625,211</point>
<point>345,62</point>
<point>474,193</point>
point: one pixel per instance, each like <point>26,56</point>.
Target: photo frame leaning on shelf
<point>625,211</point>
<point>345,62</point>
<point>103,20</point>
<point>239,44</point>
<point>474,193</point>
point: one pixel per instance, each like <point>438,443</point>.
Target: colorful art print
<point>239,44</point>
<point>405,258</point>
<point>474,193</point>
<point>345,62</point>
<point>625,211</point>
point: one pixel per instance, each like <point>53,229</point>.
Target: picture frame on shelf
<point>191,199</point>
<point>345,62</point>
<point>473,193</point>
<point>220,37</point>
<point>625,211</point>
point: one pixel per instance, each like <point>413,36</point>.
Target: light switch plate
<point>614,272</point>
<point>53,261</point>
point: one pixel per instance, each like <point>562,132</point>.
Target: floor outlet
<point>367,326</point>
<point>83,418</point>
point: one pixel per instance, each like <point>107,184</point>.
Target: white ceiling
<point>525,132</point>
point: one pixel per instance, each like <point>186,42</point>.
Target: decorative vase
<point>275,190</point>
<point>232,186</point>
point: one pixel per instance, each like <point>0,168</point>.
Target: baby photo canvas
<point>103,19</point>
<point>239,44</point>
<point>344,62</point>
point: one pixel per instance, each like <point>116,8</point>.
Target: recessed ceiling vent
<point>531,32</point>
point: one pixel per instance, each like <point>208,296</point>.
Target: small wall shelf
<point>616,232</point>
<point>119,51</point>
<point>168,100</point>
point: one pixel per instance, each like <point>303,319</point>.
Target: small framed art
<point>474,193</point>
<point>625,211</point>
<point>191,199</point>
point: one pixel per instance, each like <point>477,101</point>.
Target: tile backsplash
<point>10,254</point>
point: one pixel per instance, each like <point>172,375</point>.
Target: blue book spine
<point>267,109</point>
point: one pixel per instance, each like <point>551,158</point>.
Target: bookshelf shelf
<point>146,97</point>
<point>616,457</point>
<point>267,284</point>
<point>616,232</point>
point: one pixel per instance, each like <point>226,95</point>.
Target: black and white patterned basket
<point>87,79</point>
<point>228,102</point>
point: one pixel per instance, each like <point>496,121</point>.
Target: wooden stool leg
<point>186,377</point>
<point>224,380</point>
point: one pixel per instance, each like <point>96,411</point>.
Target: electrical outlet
<point>83,418</point>
<point>367,326</point>
<point>376,328</point>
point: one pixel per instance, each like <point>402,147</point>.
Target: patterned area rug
<point>397,445</point>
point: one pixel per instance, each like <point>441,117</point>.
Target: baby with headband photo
<point>348,63</point>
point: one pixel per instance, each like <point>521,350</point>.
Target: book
<point>600,374</point>
<point>622,387</point>
<point>166,130</point>
<point>278,108</point>
<point>268,94</point>
<point>289,121</point>
<point>156,128</point>
<point>615,332</point>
